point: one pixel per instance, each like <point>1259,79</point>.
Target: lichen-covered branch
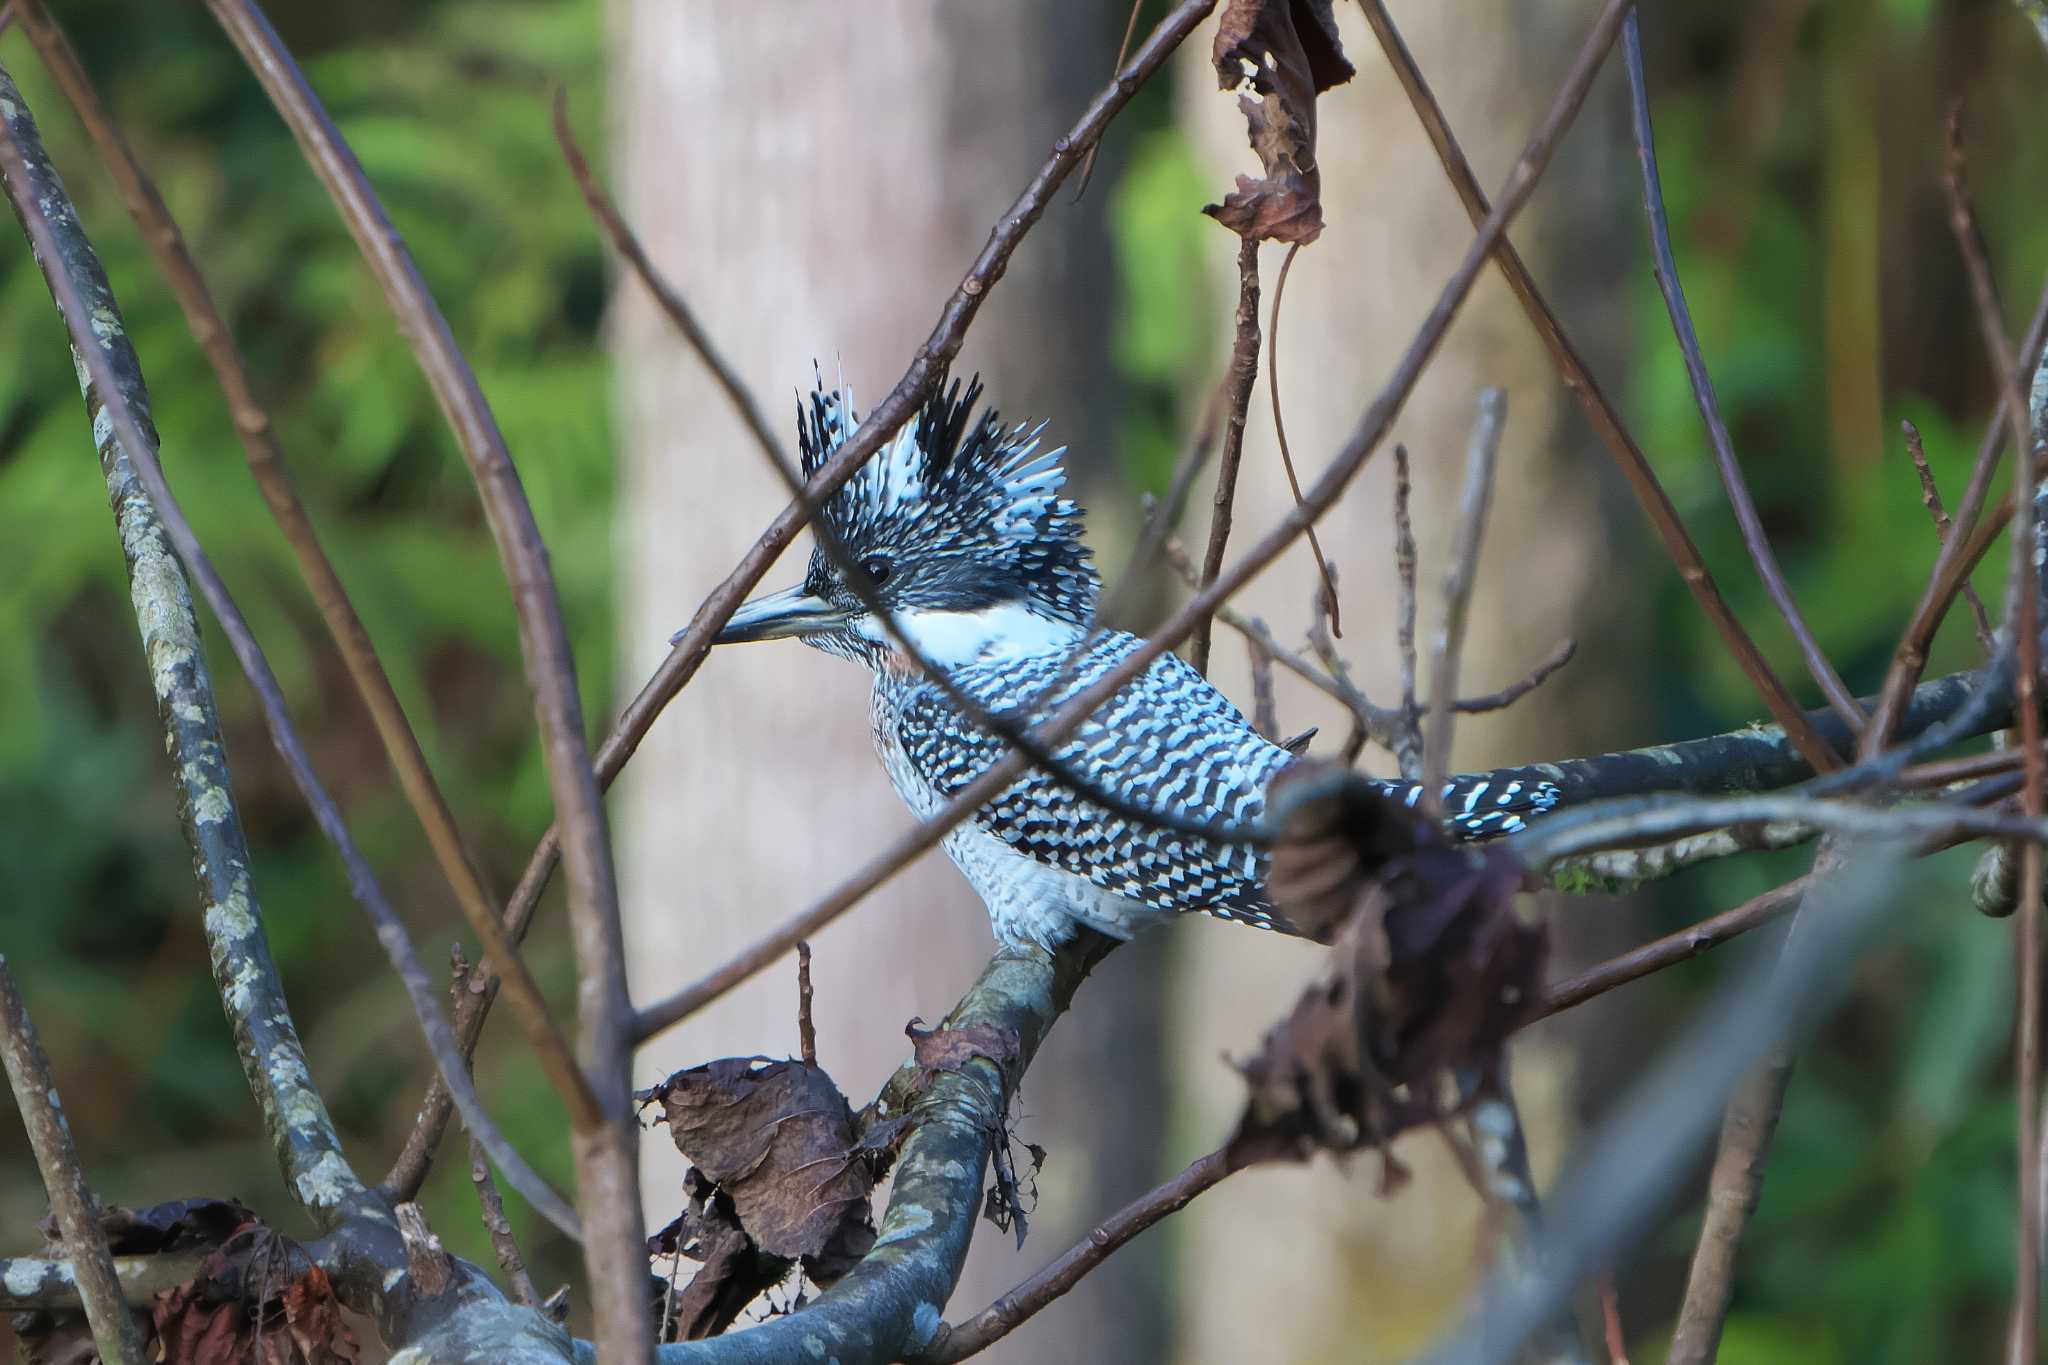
<point>274,1063</point>
<point>158,538</point>
<point>890,1305</point>
<point>28,1283</point>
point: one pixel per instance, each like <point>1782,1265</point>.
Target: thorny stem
<point>166,243</point>
<point>1754,540</point>
<point>1371,430</point>
<point>114,1330</point>
<point>1238,381</point>
<point>1598,408</point>
<point>606,1140</point>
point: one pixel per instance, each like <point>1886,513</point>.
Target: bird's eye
<point>876,568</point>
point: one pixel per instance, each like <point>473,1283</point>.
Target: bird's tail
<point>1482,805</point>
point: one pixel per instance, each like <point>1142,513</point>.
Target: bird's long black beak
<point>789,612</point>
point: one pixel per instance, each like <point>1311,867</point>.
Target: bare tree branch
<point>607,1141</point>
<point>1522,686</point>
<point>1629,820</point>
<point>1930,496</point>
<point>1754,540</point>
<point>152,525</point>
<point>491,1209</point>
<point>1599,410</point>
<point>1681,946</point>
<point>1408,734</point>
<point>114,1330</point>
<point>31,1283</point>
<point>166,243</point>
<point>1237,386</point>
<point>973,1335</point>
<point>1481,458</point>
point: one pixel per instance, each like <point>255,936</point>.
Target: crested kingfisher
<point>958,527</point>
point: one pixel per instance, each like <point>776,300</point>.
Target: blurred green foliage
<point>446,105</point>
<point>1796,136</point>
<point>1801,149</point>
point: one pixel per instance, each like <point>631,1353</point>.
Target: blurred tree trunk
<point>1319,1267</point>
<point>815,177</point>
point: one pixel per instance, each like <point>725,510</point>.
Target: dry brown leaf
<point>1433,968</point>
<point>1289,52</point>
<point>777,1138</point>
<point>734,1271</point>
<point>313,1316</point>
<point>949,1049</point>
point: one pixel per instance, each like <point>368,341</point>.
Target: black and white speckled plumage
<point>967,541</point>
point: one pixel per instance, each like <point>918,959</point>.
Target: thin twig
<point>1481,459</point>
<point>937,352</point>
<point>1014,1308</point>
<point>1370,431</point>
<point>806,1030</point>
<point>1265,708</point>
<point>1754,538</point>
<point>1598,408</point>
<point>114,1329</point>
<point>149,515</point>
<point>1280,437</point>
<point>1373,720</point>
<point>1408,735</point>
<point>1930,496</point>
<point>1610,1322</point>
<point>1748,1126</point>
<point>1958,557</point>
<point>1244,369</point>
<point>2023,612</point>
<point>1523,686</point>
<point>1122,50</point>
<point>1368,721</point>
<point>174,261</point>
<point>607,1140</point>
<point>492,1211</point>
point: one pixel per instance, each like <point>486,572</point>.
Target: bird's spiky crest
<point>958,492</point>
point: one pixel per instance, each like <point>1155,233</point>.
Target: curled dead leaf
<point>1288,51</point>
<point>1433,969</point>
<point>949,1049</point>
<point>777,1139</point>
<point>734,1271</point>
